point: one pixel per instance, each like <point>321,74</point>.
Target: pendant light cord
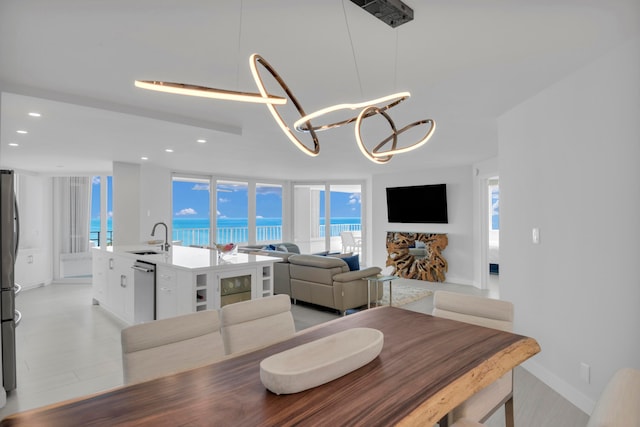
<point>239,46</point>
<point>353,52</point>
<point>395,65</point>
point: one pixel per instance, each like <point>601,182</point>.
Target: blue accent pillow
<point>353,262</point>
<point>269,248</point>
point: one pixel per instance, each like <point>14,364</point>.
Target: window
<point>318,219</point>
<point>268,213</point>
<point>232,212</point>
<point>494,203</point>
<point>97,233</point>
<point>191,222</point>
<point>346,212</point>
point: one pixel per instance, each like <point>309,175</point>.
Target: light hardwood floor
<point>67,347</point>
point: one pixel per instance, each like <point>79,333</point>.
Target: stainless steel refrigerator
<point>9,238</point>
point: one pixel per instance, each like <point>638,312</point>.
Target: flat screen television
<point>418,204</point>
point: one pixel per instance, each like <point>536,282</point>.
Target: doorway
<point>493,230</point>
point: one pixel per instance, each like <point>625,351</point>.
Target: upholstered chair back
<point>161,347</point>
<point>256,323</point>
<point>619,403</point>
<point>490,313</point>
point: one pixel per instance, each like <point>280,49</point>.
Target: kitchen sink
<point>145,252</point>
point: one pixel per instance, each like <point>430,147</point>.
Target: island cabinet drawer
<point>166,293</point>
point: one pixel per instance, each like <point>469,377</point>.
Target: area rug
<point>403,293</point>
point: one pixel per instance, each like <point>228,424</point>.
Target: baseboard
<point>459,281</point>
<point>560,386</point>
<point>72,281</point>
<point>34,286</point>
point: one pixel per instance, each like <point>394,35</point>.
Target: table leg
<point>390,293</point>
<point>368,293</point>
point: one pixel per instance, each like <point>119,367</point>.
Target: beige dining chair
<point>619,403</point>
<point>489,313</point>
<point>248,325</point>
<point>616,407</point>
<point>162,347</point>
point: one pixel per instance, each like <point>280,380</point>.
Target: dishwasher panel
<point>144,298</point>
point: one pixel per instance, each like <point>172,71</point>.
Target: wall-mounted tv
<point>418,204</point>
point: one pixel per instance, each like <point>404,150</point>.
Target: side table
<point>379,279</point>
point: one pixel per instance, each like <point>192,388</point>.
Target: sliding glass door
<point>101,227</point>
<point>232,212</point>
<point>322,211</point>
<point>191,219</point>
<point>268,213</point>
<point>237,211</point>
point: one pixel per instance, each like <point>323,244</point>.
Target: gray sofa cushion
<point>318,261</point>
<point>315,268</point>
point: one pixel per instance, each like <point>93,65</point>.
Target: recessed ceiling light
<point>144,158</point>
<point>34,114</point>
<point>13,144</point>
<point>169,150</point>
<point>202,141</point>
<point>21,131</point>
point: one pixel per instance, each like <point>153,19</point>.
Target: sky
<point>95,198</point>
<point>191,200</point>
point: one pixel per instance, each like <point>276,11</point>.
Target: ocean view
<point>195,231</point>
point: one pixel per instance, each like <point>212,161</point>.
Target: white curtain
<point>73,195</point>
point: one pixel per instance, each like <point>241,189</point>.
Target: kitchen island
<point>186,280</point>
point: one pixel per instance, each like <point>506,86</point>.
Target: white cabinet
<point>100,268</point>
<point>266,272</point>
<point>213,288</point>
<point>179,289</point>
<point>166,292</point>
<point>32,268</point>
<point>119,287</point>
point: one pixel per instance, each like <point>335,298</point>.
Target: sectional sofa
<point>321,279</point>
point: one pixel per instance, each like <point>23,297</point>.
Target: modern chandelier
<point>380,153</point>
<point>393,13</point>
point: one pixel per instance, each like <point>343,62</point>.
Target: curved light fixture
<point>396,97</point>
<point>378,106</point>
<point>368,112</point>
<point>418,144</point>
<point>253,64</point>
<point>377,155</point>
<point>208,92</point>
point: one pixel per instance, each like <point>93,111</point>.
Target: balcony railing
<point>268,233</point>
<point>200,236</point>
<point>94,238</point>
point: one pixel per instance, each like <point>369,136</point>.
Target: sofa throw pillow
<point>339,255</point>
<point>353,262</point>
<point>269,248</point>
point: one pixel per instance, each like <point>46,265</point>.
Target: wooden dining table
<point>428,365</point>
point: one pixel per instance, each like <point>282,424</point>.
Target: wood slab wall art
<point>417,255</point>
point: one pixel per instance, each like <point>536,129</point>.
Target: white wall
<point>459,230</point>
<point>155,201</point>
<point>126,203</point>
<point>569,165</point>
<point>141,198</point>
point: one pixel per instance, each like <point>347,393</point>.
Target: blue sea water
<point>229,229</point>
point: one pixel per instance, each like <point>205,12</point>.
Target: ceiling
<point>464,62</point>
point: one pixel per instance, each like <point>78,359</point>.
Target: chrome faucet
<point>166,235</point>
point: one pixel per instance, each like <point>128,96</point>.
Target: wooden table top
<point>428,366</point>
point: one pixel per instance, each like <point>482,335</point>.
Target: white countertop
<point>187,257</point>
